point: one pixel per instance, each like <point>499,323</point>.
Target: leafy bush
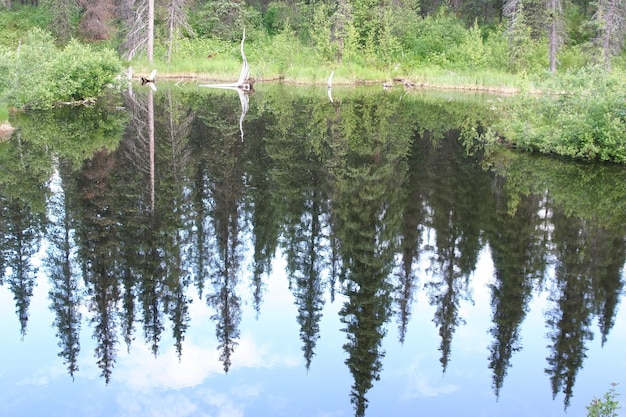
<point>605,407</point>
<point>17,21</point>
<point>29,77</point>
<point>582,114</point>
<point>40,74</point>
<point>81,72</point>
<point>278,16</point>
<point>433,36</point>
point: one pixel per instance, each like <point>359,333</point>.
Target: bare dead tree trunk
<point>170,33</point>
<point>610,19</point>
<point>150,30</point>
<point>554,31</point>
<point>137,36</point>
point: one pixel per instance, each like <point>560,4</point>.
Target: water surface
<point>194,252</point>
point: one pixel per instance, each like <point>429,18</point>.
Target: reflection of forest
<point>373,198</point>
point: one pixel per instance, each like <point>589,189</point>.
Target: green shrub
<point>81,72</point>
<point>40,74</point>
<point>582,114</point>
<point>433,36</point>
<point>16,22</point>
<point>278,16</point>
<point>30,79</point>
<point>606,406</point>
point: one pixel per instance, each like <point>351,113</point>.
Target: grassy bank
<point>271,60</point>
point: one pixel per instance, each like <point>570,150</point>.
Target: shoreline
<point>406,83</point>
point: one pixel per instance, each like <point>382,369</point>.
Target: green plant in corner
<point>606,406</point>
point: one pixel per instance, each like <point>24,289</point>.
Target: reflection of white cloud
<point>225,406</point>
<point>201,403</point>
<point>141,370</point>
<point>420,386</point>
<point>36,380</point>
<point>250,355</point>
<point>332,414</point>
<point>45,375</point>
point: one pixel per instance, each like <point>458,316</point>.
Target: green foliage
<point>430,38</point>
<point>40,73</point>
<point>278,16</point>
<point>593,192</point>
<point>81,72</point>
<point>30,81</point>
<point>606,406</point>
<point>224,19</point>
<point>284,49</point>
<point>320,34</point>
<point>15,23</point>
<point>577,27</point>
<point>581,115</point>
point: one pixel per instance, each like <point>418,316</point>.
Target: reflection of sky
<point>268,377</point>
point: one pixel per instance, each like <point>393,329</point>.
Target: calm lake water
<point>193,252</point>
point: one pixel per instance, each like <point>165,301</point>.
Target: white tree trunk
<point>150,30</point>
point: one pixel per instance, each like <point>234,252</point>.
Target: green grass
<point>219,61</point>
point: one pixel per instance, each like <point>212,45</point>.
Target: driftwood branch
<point>243,86</point>
<point>244,82</point>
<point>330,86</point>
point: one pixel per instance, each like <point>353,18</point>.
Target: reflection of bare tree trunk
<point>140,146</point>
<point>179,125</point>
<point>151,134</point>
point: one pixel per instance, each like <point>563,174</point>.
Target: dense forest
<point>512,35</point>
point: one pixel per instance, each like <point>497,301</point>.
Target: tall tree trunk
<point>610,20</point>
<point>150,30</point>
<point>554,31</point>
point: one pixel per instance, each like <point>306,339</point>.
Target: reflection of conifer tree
<point>132,188</point>
<point>131,179</point>
<point>21,242</point>
<point>225,301</point>
<point>366,247</point>
<point>64,293</point>
<point>366,202</point>
<point>299,197</point>
<point>173,206</point>
<point>202,202</point>
<point>128,280</point>
<point>151,286</point>
<point>201,239</point>
<point>410,239</point>
<point>25,169</point>
<point>308,289</point>
<point>608,250</point>
<point>263,215</point>
<point>98,242</point>
<point>178,307</point>
<point>519,261</point>
<point>458,199</point>
<point>570,319</point>
<point>225,181</point>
